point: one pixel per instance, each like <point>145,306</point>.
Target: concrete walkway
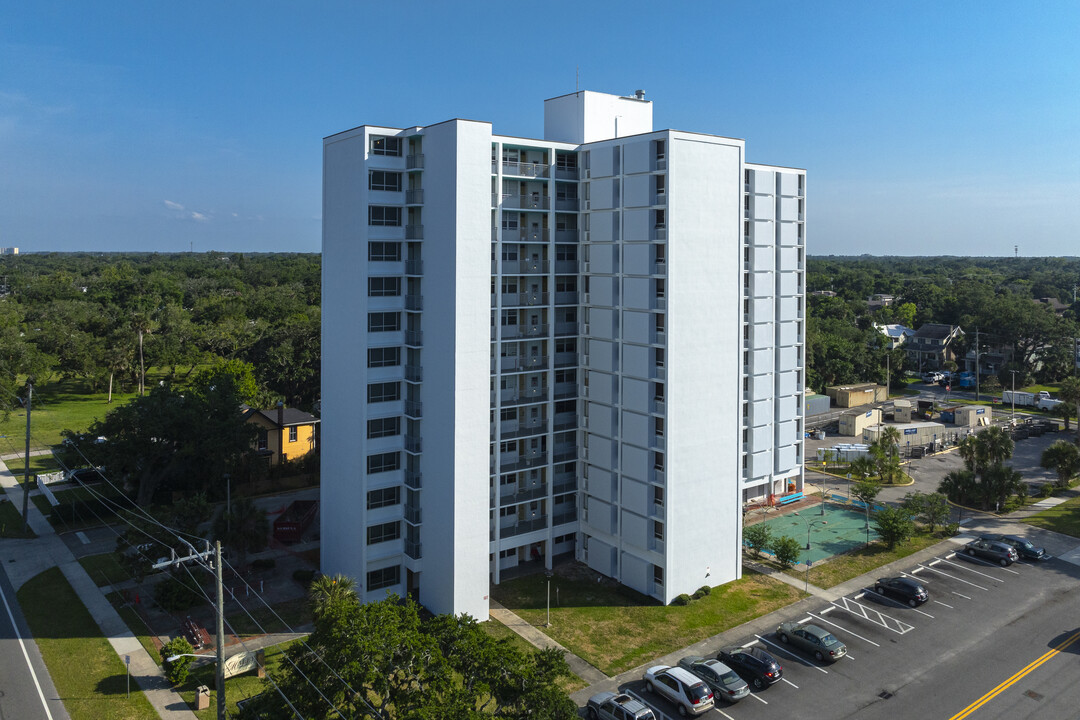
<point>25,559</point>
<point>535,637</point>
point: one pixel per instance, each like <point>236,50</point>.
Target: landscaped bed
<point>616,629</point>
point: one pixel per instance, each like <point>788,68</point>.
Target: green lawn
<point>88,674</point>
<point>1063,518</point>
<point>617,629</point>
<point>841,568</point>
<point>236,688</point>
<point>104,569</point>
<point>11,521</point>
<point>135,623</point>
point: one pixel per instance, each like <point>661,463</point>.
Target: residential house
<point>284,433</point>
<point>932,346</point>
<point>897,334</point>
<point>876,302</point>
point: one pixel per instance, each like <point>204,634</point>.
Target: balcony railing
<point>523,527</point>
<point>413,514</point>
<point>414,197</point>
<point>526,267</point>
<point>414,267</point>
<point>533,429</point>
<point>414,373</point>
<point>566,236</point>
<point>566,298</point>
<point>566,328</point>
<point>565,454</point>
<point>565,359</point>
<point>414,162</point>
<point>414,549</point>
<point>564,173</point>
<point>565,390</point>
<point>569,204</point>
<point>522,462</point>
<point>414,479</point>
<point>414,302</point>
<point>414,338</point>
<point>526,169</point>
<point>562,518</point>
<point>526,235</point>
<point>659,233</point>
<point>519,363</point>
<point>525,398</point>
<point>566,423</point>
<point>525,299</point>
<point>566,267</point>
<point>526,202</point>
<point>414,232</point>
<point>414,408</point>
<point>521,496</point>
<point>564,484</point>
<point>413,444</point>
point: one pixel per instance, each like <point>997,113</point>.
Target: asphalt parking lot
<point>990,642</point>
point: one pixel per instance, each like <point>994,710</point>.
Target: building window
<point>292,434</point>
<point>385,181</point>
<point>657,575</point>
<point>384,252</point>
<point>565,252</point>
<point>383,532</point>
<point>383,427</point>
<point>383,462</point>
<point>383,497</point>
<point>658,530</point>
<point>384,215</point>
<point>661,218</point>
<point>658,496</point>
<point>507,512</point>
<point>382,145</point>
<point>503,554</point>
<point>263,440</point>
<point>508,414</point>
<point>384,322</point>
<point>383,392</point>
<point>387,577</point>
<point>383,286</point>
<point>383,357</point>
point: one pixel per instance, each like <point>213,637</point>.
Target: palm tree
<point>1070,393</point>
<point>327,593</point>
<point>861,468</point>
<point>966,447</point>
<point>958,486</point>
<point>993,446</point>
<point>1063,458</point>
<point>886,453</point>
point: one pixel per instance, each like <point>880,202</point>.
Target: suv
<point>994,550</point>
<point>1023,548</point>
<point>689,693</point>
<point>617,706</point>
<point>931,377</point>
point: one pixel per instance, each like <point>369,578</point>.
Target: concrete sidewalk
<point>25,559</point>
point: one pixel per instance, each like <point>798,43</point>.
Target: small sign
<point>869,413</point>
<point>127,660</point>
<point>980,411</point>
<point>910,431</point>
<point>240,663</point>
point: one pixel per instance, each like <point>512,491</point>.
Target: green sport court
<point>844,529</point>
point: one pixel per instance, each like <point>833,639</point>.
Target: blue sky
<point>926,127</point>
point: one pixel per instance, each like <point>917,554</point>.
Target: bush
<point>1046,490</point>
<point>173,595</point>
<point>177,670</point>
<point>702,592</point>
<point>952,529</point>
<point>263,564</point>
<point>757,537</point>
<point>894,525</point>
<point>786,549</point>
<point>680,600</point>
<point>304,577</point>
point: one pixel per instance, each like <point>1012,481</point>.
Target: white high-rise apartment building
<point>590,344</point>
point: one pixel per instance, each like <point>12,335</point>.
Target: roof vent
<point>639,94</point>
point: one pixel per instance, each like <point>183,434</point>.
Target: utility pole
<point>1012,416</point>
<point>888,373</point>
<point>220,679</point>
<point>26,459</point>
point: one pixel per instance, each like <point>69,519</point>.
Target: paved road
<point>26,691</point>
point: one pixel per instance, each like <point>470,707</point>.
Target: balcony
<point>564,483</point>
<point>659,233</point>
<point>659,337</point>
<point>566,328</point>
<point>526,169</point>
<point>658,406</point>
<point>525,398</point>
<point>413,444</point>
<point>414,162</point>
<point>659,303</point>
<point>565,454</point>
<point>521,363</point>
<point>525,299</point>
<point>414,267</point>
<point>660,267</point>
<point>414,197</point>
<point>526,202</point>
<point>414,549</point>
<point>565,359</point>
<point>414,409</point>
<point>656,545</point>
<point>566,421</point>
<point>566,298</point>
<point>414,302</point>
<point>414,232</point>
<point>567,204</point>
<point>510,332</point>
<point>566,267</point>
<point>659,372</point>
<point>414,338</point>
<point>564,391</point>
<point>530,430</point>
<point>525,526</point>
<point>534,235</point>
<point>414,373</point>
<point>520,496</point>
<point>522,462</point>
<point>414,479</point>
<point>526,267</point>
<point>567,516</point>
<point>566,236</point>
<point>413,514</point>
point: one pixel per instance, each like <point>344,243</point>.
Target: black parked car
<point>1023,548</point>
<point>752,664</point>
<point>902,589</point>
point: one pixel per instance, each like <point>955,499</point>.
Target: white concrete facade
<point>634,283</point>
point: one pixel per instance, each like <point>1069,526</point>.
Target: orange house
<point>284,433</point>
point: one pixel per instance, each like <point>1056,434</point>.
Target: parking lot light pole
<point>810,524</point>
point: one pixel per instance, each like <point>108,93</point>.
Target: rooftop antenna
<point>1016,251</point>
<point>577,78</point>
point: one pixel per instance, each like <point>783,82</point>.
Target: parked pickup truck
<point>291,524</point>
<point>1040,400</point>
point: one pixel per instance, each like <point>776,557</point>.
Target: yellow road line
<point>1019,675</point>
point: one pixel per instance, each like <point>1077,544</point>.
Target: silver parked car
<point>992,550</point>
<point>722,679</point>
<point>617,706</point>
<point>689,693</point>
<point>817,641</point>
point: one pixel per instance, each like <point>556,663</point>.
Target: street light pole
<point>809,526</point>
<point>220,678</point>
<point>1012,415</point>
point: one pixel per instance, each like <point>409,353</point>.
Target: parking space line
<point>912,575</point>
<point>961,595</point>
<point>828,622</point>
<point>790,654</point>
<point>948,606</point>
<point>988,564</point>
<point>873,615</point>
<point>790,683</point>
<point>966,582</point>
<point>722,713</point>
<point>761,699</point>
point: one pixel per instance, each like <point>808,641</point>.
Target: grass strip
<point>841,568</point>
<point>616,629</point>
<point>89,676</point>
<point>1063,518</point>
<point>104,569</point>
<point>11,522</point>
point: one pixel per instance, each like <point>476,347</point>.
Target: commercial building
<point>586,345</point>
